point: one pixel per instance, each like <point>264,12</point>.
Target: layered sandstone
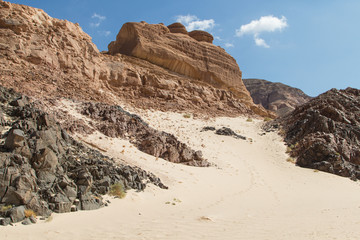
<point>47,58</point>
<point>275,96</point>
<point>194,57</point>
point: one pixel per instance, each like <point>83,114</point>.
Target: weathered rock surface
<point>324,133</point>
<point>48,58</point>
<point>276,97</point>
<point>44,169</point>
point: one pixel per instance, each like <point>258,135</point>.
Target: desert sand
<point>251,192</point>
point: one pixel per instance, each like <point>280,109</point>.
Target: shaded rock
<point>276,97</point>
<point>57,172</point>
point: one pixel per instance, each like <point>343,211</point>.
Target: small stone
<point>5,221</point>
<point>27,221</point>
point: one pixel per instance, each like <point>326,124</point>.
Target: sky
<point>313,45</point>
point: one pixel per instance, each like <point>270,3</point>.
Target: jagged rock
<point>204,129</point>
<point>177,28</point>
<point>201,36</point>
<point>324,133</point>
<point>58,172</point>
<point>14,139</point>
<point>276,97</point>
<point>113,121</point>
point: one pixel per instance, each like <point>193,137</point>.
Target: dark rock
<point>44,169</point>
<point>228,132</point>
<point>113,121</point>
<point>325,133</point>
<point>207,129</point>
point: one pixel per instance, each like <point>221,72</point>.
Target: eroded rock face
<point>47,58</point>
<point>276,97</point>
<point>324,133</point>
<point>180,53</point>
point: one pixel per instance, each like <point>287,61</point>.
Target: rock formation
<point>45,169</point>
<point>324,133</point>
<point>276,97</point>
<point>47,57</point>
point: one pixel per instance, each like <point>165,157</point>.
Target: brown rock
<point>201,36</point>
<point>177,28</point>
<point>47,58</point>
<point>276,97</point>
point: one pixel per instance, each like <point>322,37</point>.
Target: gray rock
<point>17,214</point>
<point>27,221</point>
<point>33,219</point>
<point>5,221</point>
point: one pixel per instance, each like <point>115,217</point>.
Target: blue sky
<point>312,45</point>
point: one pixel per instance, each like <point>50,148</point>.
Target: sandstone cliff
<point>276,97</point>
<point>46,58</point>
<point>324,133</point>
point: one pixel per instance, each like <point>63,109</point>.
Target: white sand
<point>254,193</point>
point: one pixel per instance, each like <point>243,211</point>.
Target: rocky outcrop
<point>47,58</point>
<point>276,97</point>
<point>44,169</point>
<point>181,54</point>
<point>113,121</point>
<point>324,133</point>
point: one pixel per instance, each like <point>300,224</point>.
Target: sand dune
<point>251,193</point>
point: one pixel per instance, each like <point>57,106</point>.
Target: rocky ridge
<point>46,170</point>
<point>47,58</point>
<point>324,133</point>
<point>276,97</point>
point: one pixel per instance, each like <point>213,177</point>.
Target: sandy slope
<point>253,193</point>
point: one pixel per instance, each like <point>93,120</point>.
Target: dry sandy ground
<point>253,193</point>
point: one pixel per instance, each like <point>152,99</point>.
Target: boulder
<point>201,36</point>
<point>177,28</point>
<point>15,139</point>
<point>17,214</point>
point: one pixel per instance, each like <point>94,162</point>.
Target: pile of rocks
<point>225,131</point>
<point>113,121</point>
<point>44,169</point>
<point>324,133</point>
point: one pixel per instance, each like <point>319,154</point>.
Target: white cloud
<point>192,22</point>
<point>98,16</point>
<point>264,24</point>
<point>98,19</point>
<point>229,45</point>
<point>260,42</point>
